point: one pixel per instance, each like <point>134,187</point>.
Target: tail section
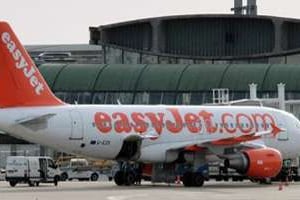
<point>21,83</point>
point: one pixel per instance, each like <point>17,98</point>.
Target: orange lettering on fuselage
<point>177,125</point>
<point>226,117</point>
<point>103,122</point>
<point>262,119</point>
<point>156,121</point>
<point>139,124</point>
<point>193,122</point>
<point>173,121</point>
<point>122,124</point>
<point>245,127</point>
<point>208,121</point>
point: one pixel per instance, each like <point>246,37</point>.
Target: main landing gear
<point>127,175</point>
<point>193,179</point>
<point>125,178</point>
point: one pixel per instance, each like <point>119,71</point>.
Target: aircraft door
<point>77,126</point>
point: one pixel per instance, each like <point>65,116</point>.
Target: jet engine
<point>256,163</point>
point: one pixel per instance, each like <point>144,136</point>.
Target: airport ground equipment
<point>31,170</point>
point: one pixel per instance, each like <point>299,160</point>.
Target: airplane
<point>245,138</point>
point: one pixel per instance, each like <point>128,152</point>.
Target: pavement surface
<point>109,191</point>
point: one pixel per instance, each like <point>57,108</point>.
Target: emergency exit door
<point>76,126</point>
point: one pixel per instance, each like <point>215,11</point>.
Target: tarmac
<point>109,191</point>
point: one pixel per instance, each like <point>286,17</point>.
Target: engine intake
<point>256,163</point>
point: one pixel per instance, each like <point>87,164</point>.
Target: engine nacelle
<point>256,163</point>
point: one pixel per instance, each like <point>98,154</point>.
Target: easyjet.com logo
<point>22,64</point>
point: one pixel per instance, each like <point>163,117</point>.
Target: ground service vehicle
<point>78,168</point>
<point>31,170</point>
<point>244,138</point>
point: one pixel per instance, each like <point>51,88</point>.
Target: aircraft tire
<point>64,177</point>
<point>119,178</point>
<point>13,183</point>
<point>187,179</point>
<point>129,178</point>
<point>94,177</point>
<point>198,180</point>
<point>31,184</point>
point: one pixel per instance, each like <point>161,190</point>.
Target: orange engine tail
<point>21,83</point>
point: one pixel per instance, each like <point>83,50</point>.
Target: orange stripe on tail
<point>21,83</point>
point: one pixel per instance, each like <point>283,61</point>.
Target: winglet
<point>21,83</point>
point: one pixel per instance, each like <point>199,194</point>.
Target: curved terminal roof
<point>287,74</point>
<point>202,77</point>
<point>239,76</point>
<point>119,77</point>
<point>160,77</point>
<point>77,77</point>
<point>50,72</point>
<point>169,78</point>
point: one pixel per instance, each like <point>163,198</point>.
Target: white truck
<point>78,168</point>
<point>31,170</point>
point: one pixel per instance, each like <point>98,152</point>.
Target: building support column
<point>280,39</point>
<point>158,39</point>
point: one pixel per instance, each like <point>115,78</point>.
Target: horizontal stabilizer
<point>35,123</point>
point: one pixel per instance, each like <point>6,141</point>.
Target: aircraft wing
<point>247,137</point>
<point>249,141</point>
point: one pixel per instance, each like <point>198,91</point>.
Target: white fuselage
<point>99,130</point>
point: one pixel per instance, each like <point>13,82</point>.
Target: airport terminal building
<point>197,39</point>
<point>172,60</point>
